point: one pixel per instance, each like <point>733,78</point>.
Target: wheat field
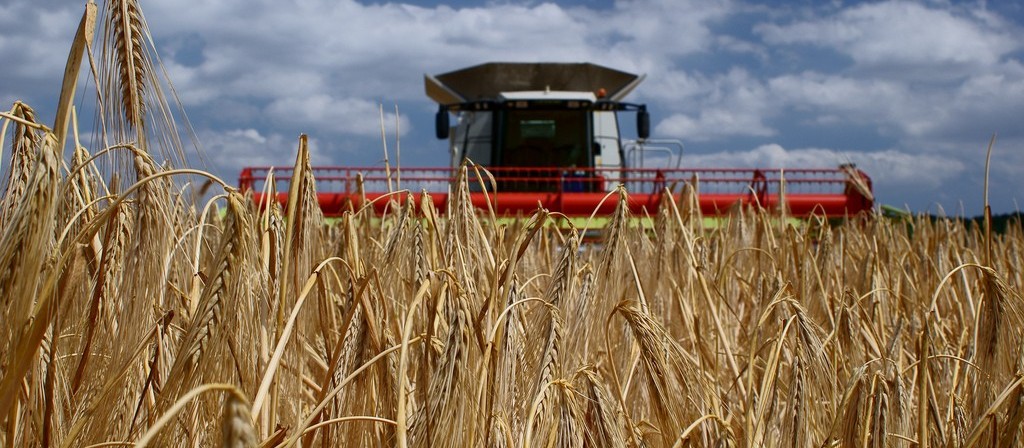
<point>148,304</point>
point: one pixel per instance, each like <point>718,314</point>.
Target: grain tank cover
<point>487,81</point>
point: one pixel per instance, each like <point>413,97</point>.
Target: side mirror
<point>643,123</point>
<point>441,124</point>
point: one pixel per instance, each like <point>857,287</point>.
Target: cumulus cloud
<point>249,147</point>
<point>984,102</point>
<point>811,89</point>
<point>347,115</point>
<point>733,104</point>
<point>932,76</point>
<point>29,32</point>
<point>884,104</point>
<point>886,35</point>
<point>344,40</point>
<point>712,124</point>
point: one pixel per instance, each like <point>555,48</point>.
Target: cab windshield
<point>545,138</point>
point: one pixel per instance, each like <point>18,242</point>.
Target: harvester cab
<point>550,135</point>
<point>533,123</point>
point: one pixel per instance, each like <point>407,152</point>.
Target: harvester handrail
<point>252,174</point>
<point>634,147</point>
<point>577,190</point>
<point>547,179</point>
<point>363,169</point>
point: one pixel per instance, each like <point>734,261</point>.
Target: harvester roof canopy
<point>488,81</point>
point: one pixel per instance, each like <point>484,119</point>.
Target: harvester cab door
<point>607,147</point>
<point>473,138</point>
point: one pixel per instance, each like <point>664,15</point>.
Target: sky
<point>910,91</point>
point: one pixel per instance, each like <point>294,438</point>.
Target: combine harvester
<point>549,134</point>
